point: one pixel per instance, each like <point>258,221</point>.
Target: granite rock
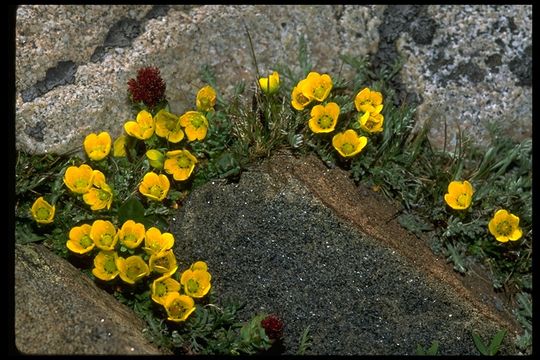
<point>298,240</point>
<point>59,310</point>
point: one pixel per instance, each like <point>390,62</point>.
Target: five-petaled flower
<point>163,286</point>
<point>324,118</point>
<point>368,100</point>
<point>270,84</point>
<point>316,86</point>
<point>180,164</point>
<point>168,126</point>
<point>131,234</point>
<point>143,128</point>
<point>105,265</point>
<point>459,195</point>
<point>155,242</point>
<point>163,262</point>
<point>154,186</point>
<point>79,179</point>
<point>80,241</point>
<point>196,282</point>
<point>371,122</point>
<point>178,307</point>
<point>148,87</point>
<point>206,99</point>
<point>195,124</point>
<point>505,226</point>
<point>348,143</point>
<point>103,233</point>
<point>132,269</point>
<point>100,195</point>
<point>42,211</point>
<point>299,100</point>
<point>97,146</point>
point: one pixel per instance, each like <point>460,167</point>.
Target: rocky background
<point>341,262</point>
<point>465,66</point>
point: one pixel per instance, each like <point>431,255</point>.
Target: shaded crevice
<point>63,73</point>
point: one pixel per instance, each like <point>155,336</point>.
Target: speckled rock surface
<point>475,67</point>
<point>269,241</point>
<point>59,310</point>
<point>465,65</point>
<point>178,41</point>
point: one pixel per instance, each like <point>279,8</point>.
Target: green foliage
<point>494,345</point>
<point>305,342</point>
<point>432,350</point>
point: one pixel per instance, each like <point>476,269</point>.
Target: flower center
<point>162,262</point>
<point>106,239</point>
<point>325,121</point>
<point>81,183</point>
<point>130,238</point>
<point>103,195</point>
<point>462,199</point>
<point>347,148</point>
<point>109,266</point>
<point>177,308</point>
<point>43,213</point>
<point>86,241</point>
<point>184,162</point>
<point>504,228</point>
<point>319,92</point>
<point>156,191</point>
<point>161,289</point>
<point>133,270</point>
<point>196,121</point>
<point>193,285</point>
<point>370,124</point>
<point>301,99</point>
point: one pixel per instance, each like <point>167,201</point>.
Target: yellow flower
<point>80,241</point>
<point>99,196</point>
<point>178,307</point>
<point>299,100</point>
<point>168,126</point>
<point>131,234</point>
<point>505,226</point>
<point>143,128</point>
<point>206,99</point>
<point>195,124</point>
<point>196,282</point>
<point>103,233</point>
<point>199,265</point>
<point>42,211</point>
<point>154,186</point>
<point>155,158</point>
<point>79,179</point>
<point>459,195</point>
<point>97,147</point>
<point>370,122</point>
<point>270,84</point>
<point>180,164</point>
<point>163,262</point>
<point>119,146</point>
<point>324,118</point>
<point>155,242</point>
<point>132,269</point>
<point>348,143</point>
<point>163,286</point>
<point>317,86</point>
<point>368,101</point>
<point>105,265</point>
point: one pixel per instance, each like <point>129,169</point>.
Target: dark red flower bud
<point>273,326</point>
<point>148,87</point>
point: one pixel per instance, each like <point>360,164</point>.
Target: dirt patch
<point>376,216</point>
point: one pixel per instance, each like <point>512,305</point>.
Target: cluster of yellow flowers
<point>91,184</point>
<point>324,116</point>
<point>504,225</point>
<point>158,257</point>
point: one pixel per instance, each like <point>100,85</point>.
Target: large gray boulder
<point>299,240</point>
<point>465,65</point>
<point>59,310</point>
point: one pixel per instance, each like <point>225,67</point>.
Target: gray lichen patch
<point>61,74</point>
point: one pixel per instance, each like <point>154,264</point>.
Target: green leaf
<point>479,344</point>
<point>131,209</point>
<point>25,235</point>
<point>496,342</point>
